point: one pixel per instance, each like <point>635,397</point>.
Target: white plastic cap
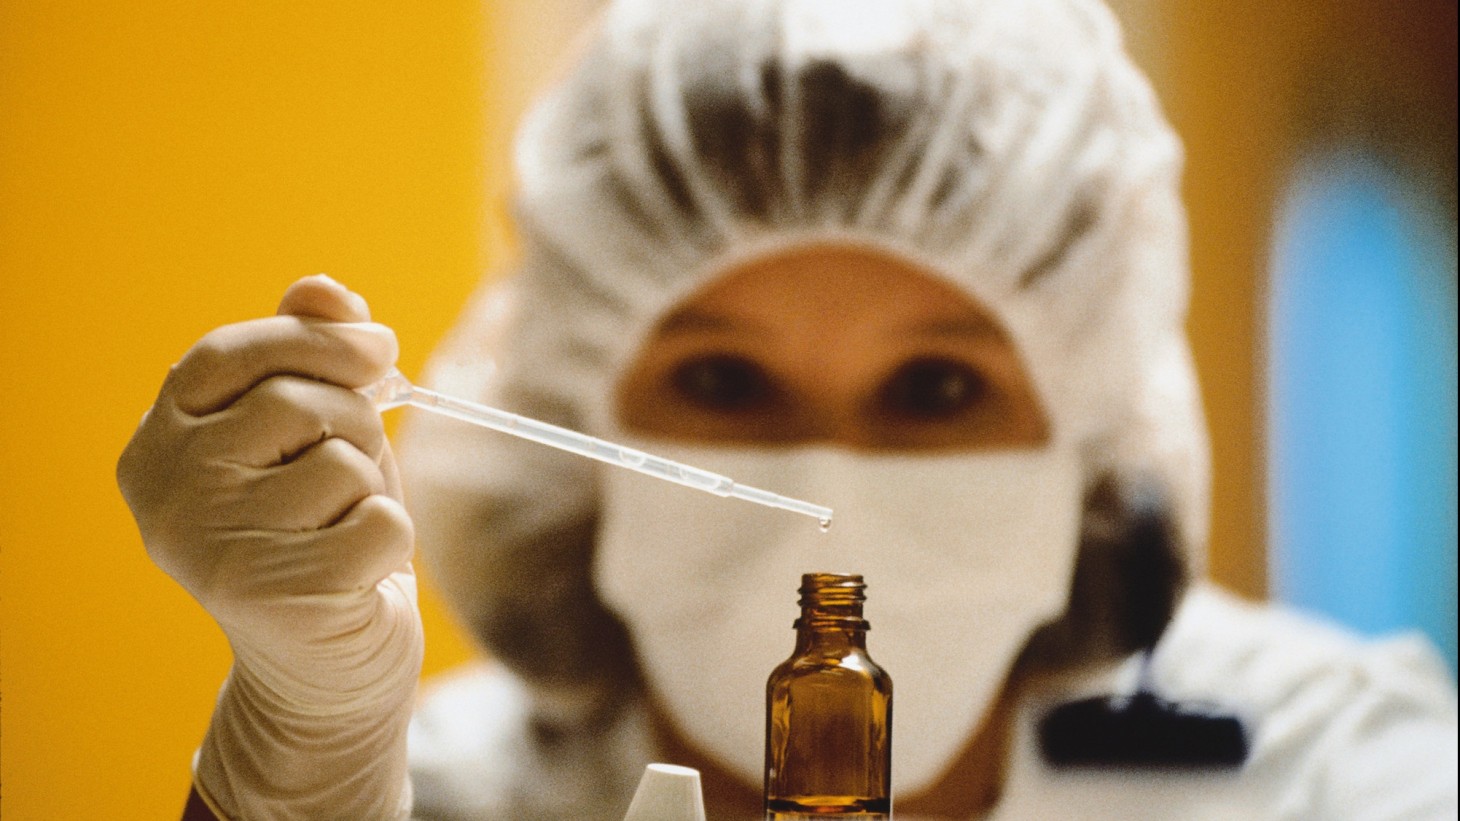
<point>668,792</point>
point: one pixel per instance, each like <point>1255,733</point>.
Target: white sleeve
<point>1392,750</point>
<point>1343,728</point>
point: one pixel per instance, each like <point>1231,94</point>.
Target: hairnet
<point>1009,146</point>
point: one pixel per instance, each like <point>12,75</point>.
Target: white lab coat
<point>1340,729</point>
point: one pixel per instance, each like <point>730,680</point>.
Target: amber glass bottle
<point>828,750</point>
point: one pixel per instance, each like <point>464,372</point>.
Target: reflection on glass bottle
<point>828,750</point>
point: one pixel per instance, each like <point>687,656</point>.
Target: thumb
<point>320,297</point>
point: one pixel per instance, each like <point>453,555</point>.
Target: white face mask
<point>964,556</point>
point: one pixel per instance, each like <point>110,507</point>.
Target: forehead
<point>824,281</point>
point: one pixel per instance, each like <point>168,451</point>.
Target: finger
<point>230,360</point>
<point>320,297</point>
<point>280,417</point>
<point>312,492</point>
<point>372,540</point>
<point>259,569</point>
<point>390,469</point>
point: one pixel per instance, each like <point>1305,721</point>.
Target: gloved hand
<point>265,486</point>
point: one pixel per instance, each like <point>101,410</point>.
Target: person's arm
<point>262,482</point>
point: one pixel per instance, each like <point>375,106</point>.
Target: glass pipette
<point>395,391</point>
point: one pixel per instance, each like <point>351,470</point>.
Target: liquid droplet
<point>824,524</point>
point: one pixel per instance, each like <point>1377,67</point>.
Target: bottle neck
<point>829,639</point>
<point>831,612</point>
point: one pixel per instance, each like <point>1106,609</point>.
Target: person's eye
<point>931,389</point>
<point>722,382</point>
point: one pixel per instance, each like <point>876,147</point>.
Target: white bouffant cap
<point>1009,146</point>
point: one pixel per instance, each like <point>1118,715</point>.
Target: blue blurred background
<point>1361,395</point>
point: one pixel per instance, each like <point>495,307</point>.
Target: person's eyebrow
<point>965,326</point>
<point>693,320</point>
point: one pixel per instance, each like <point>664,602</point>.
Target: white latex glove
<point>265,486</point>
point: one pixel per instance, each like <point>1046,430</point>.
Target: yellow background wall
<point>166,167</point>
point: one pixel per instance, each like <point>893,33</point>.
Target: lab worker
<point>921,262</point>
